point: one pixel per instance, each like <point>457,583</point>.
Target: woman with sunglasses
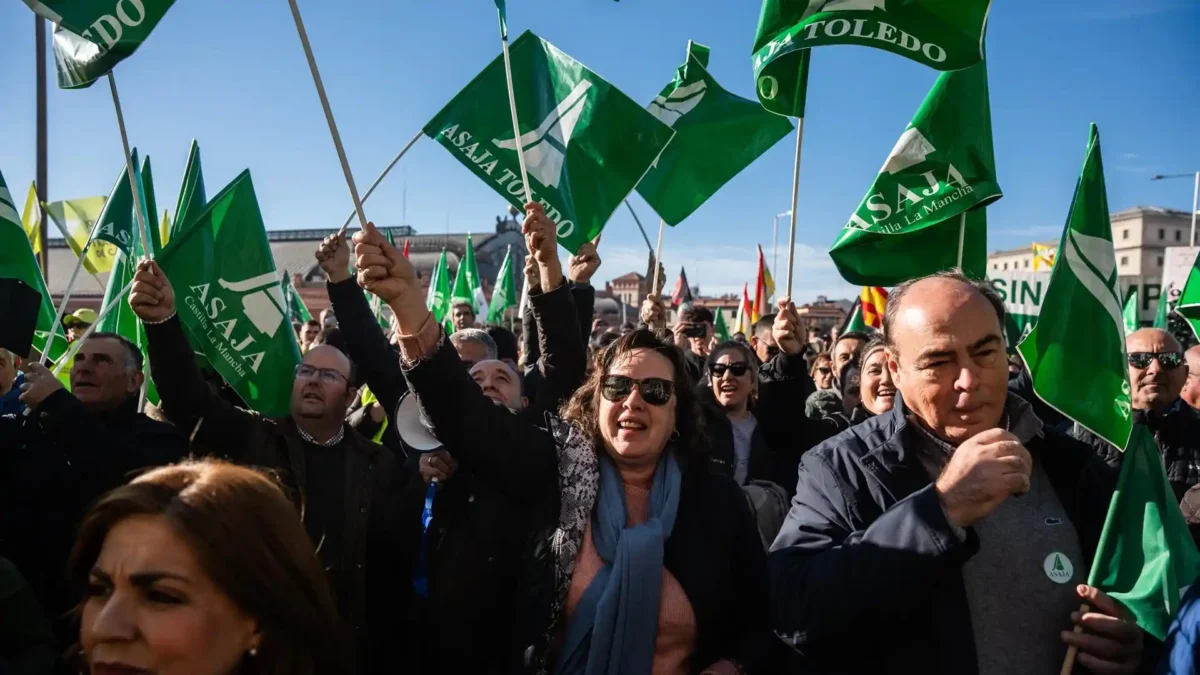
<point>642,559</point>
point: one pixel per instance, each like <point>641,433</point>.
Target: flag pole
<point>145,389</point>
<point>512,108</point>
<point>104,312</point>
<point>63,230</point>
<point>333,130</point>
<point>380,180</point>
<point>129,169</point>
<point>795,195</point>
<point>1073,651</point>
<point>639,224</point>
<point>62,306</point>
<point>962,234</point>
<point>658,255</point>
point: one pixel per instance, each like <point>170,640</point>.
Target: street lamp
<point>1195,198</point>
<point>775,240</point>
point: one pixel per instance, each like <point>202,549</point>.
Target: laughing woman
<point>738,445</point>
<point>643,560</point>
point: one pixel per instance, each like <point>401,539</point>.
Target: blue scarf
<point>615,625</point>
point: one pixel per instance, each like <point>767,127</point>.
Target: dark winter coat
<point>375,540</point>
<point>1177,435</point>
<point>867,552</point>
<point>53,465</point>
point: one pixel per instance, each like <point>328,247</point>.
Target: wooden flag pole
<point>662,224</point>
<point>795,195</point>
<point>512,108</point>
<point>144,230</point>
<point>333,130</point>
<point>1073,651</point>
<point>379,180</point>
<point>962,234</point>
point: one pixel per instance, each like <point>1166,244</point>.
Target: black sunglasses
<point>655,390</point>
<point>738,369</point>
<point>1168,360</point>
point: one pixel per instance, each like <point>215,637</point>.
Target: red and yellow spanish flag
<point>764,288</point>
<point>874,303</point>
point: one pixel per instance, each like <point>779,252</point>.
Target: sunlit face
<point>846,351</point>
<point>733,391</point>
<point>878,391</point>
<point>76,330</point>
<point>462,316</point>
<point>101,376</point>
<point>822,374</point>
<point>763,344</point>
<point>151,608</point>
<point>8,370</point>
<point>634,431</point>
<point>325,393</point>
<point>309,333</point>
<point>1155,387</point>
<point>1191,385</point>
<point>499,382</point>
<point>948,360</point>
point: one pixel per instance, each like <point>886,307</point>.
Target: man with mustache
<point>904,528</point>
<point>346,485</point>
<point>1157,373</point>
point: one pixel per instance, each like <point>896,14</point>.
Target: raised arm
<point>185,397</point>
<point>368,346</point>
<point>581,267</point>
<point>487,439</point>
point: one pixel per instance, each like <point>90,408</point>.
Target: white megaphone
<point>412,426</point>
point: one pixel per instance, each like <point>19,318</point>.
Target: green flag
<point>1130,314</point>
<point>18,262</point>
<point>297,310</point>
<point>438,299</point>
<point>586,144</point>
<point>191,193</point>
<point>121,319</point>
<point>721,328</point>
<point>92,36</point>
<point>1086,380</point>
<point>1146,558</point>
<point>504,293</point>
<point>149,205</point>
<point>117,224</point>
<point>717,134</point>
<point>942,167</point>
<point>855,322</point>
<point>502,13</point>
<point>1188,305</point>
<point>942,34</point>
<point>467,286</point>
<point>230,298</point>
<point>1163,313</point>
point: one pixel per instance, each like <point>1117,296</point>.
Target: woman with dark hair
<point>203,568</point>
<point>642,559</point>
<point>738,446</point>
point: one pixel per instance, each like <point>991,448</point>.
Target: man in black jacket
<point>1157,372</point>
<point>347,485</point>
<point>902,535</point>
<point>73,447</point>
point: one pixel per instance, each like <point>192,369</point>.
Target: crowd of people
<point>580,499</point>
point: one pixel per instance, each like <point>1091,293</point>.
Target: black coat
<point>713,551</point>
<point>1177,435</point>
<point>53,466</point>
<point>783,386</point>
<point>376,540</point>
<point>867,552</point>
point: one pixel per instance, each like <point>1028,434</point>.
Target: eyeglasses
<point>824,370</point>
<point>327,375</point>
<point>738,369</point>
<point>655,390</point>
<point>1168,360</point>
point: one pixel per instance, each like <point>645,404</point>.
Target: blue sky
<point>231,74</point>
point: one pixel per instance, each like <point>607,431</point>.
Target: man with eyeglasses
<point>1191,387</point>
<point>1157,373</point>
<point>345,485</point>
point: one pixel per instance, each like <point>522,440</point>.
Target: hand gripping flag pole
<point>144,230</point>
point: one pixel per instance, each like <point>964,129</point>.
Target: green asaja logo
<point>545,147</point>
<point>668,109</point>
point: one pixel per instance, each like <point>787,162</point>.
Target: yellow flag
<point>164,230</point>
<point>1043,255</point>
<point>31,220</point>
<point>75,219</point>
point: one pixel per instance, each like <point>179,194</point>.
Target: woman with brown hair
<point>642,560</point>
<point>202,568</point>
